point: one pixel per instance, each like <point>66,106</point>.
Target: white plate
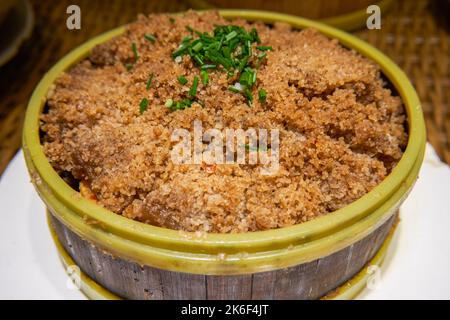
<point>417,265</point>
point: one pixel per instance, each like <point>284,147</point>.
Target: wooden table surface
<point>412,35</point>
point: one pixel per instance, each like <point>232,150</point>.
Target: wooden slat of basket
<point>410,35</point>
<point>310,280</point>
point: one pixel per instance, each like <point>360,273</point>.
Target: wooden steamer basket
<point>306,261</point>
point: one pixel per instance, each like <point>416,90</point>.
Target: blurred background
<point>34,35</point>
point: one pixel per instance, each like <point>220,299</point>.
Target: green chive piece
<point>247,77</point>
<point>255,36</point>
<point>128,66</point>
<point>234,89</point>
<point>172,20</point>
<point>261,55</point>
<point>193,90</point>
<point>182,79</point>
<point>186,39</point>
<point>183,104</point>
<point>205,77</point>
<point>198,59</point>
<point>208,66</point>
<point>262,95</point>
<point>248,94</point>
<point>253,77</point>
<point>150,37</point>
<point>197,46</point>
<point>264,48</point>
<point>178,105</point>
<point>135,52</point>
<point>143,105</point>
<point>149,81</point>
<point>169,103</point>
<point>227,48</point>
<point>230,36</point>
<point>180,51</point>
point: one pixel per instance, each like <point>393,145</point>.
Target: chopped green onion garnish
<point>143,105</point>
<point>183,104</point>
<point>230,36</point>
<point>169,103</point>
<point>135,52</point>
<point>150,37</point>
<point>180,51</point>
<point>262,95</point>
<point>182,80</point>
<point>193,90</point>
<point>248,47</point>
<point>249,96</point>
<point>149,81</point>
<point>208,66</point>
<point>178,105</point>
<point>228,48</point>
<point>198,59</point>
<point>205,77</point>
<point>264,48</point>
<point>187,39</point>
<point>197,46</point>
<point>234,89</point>
<point>128,66</point>
<point>247,77</point>
<point>255,36</point>
<point>172,20</point>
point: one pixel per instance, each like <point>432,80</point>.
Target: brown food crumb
<point>341,130</point>
<point>86,192</point>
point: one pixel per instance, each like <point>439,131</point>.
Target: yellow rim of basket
<point>264,250</point>
<point>348,290</point>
